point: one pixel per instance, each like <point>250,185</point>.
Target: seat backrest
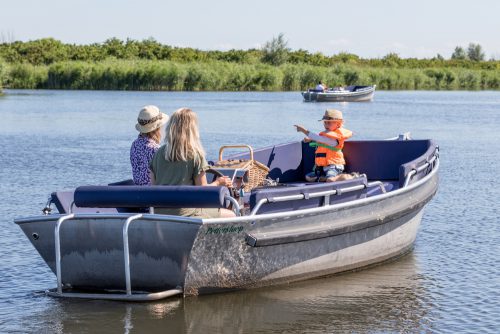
<point>150,196</point>
<point>284,161</point>
<point>379,159</point>
<point>382,159</point>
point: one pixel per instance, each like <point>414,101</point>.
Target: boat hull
<point>211,255</point>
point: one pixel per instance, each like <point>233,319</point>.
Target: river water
<point>51,140</point>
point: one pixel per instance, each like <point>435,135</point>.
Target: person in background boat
<point>149,123</point>
<point>338,89</point>
<point>181,161</point>
<point>321,87</point>
<point>329,159</point>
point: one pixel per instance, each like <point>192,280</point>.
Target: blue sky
<point>418,28</point>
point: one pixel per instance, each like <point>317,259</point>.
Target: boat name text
<point>224,230</point>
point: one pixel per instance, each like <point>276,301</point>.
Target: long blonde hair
<point>154,135</point>
<point>182,137</point>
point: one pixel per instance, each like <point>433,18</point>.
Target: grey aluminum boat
<point>107,242</point>
<point>347,94</point>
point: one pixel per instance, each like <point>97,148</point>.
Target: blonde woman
<point>149,123</point>
<point>181,161</point>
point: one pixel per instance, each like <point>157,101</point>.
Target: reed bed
<point>165,75</point>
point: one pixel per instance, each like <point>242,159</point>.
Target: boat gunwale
<point>124,216</point>
<point>241,219</point>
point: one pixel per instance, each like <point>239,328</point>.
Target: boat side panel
<point>92,252</point>
<point>366,97</point>
<point>391,242</point>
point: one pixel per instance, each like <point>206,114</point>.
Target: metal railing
<point>325,194</point>
<point>126,253</point>
<point>57,233</point>
<point>417,170</point>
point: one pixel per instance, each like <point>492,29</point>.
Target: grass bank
<point>157,75</point>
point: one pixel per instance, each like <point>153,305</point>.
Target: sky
<point>368,28</point>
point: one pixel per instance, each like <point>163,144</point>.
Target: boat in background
<point>341,94</point>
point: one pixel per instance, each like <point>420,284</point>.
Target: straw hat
<point>150,118</point>
<point>332,115</point>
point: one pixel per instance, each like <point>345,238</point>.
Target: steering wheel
<point>232,191</point>
<point>215,172</point>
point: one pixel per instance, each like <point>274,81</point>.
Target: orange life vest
<point>326,155</point>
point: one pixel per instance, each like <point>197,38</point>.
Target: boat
<point>341,94</point>
<point>107,242</point>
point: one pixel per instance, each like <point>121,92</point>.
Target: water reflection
<point>390,297</point>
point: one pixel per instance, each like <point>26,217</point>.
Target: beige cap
<point>150,118</point>
<point>332,115</point>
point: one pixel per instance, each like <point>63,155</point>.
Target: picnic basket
<point>257,171</point>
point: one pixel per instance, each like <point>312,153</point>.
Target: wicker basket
<point>257,171</point>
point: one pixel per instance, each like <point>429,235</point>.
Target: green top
<point>176,173</point>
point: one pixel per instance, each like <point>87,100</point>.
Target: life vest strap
<point>316,144</point>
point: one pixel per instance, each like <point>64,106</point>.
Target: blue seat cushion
<point>150,196</point>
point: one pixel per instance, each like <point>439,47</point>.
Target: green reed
<point>159,75</point>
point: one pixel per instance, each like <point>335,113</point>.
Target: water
<point>450,283</point>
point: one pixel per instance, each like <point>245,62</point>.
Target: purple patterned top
<point>141,153</point>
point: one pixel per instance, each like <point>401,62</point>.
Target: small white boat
<point>342,94</point>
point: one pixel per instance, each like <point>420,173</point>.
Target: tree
<point>392,60</point>
<point>459,53</point>
<point>275,52</point>
<point>114,47</point>
<point>475,52</point>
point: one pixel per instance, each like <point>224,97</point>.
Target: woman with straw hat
<point>149,123</point>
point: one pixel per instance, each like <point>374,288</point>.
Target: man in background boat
<point>329,159</point>
<point>321,87</point>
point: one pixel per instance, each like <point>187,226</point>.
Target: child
<point>329,160</point>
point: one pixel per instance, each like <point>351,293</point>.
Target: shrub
<point>26,76</point>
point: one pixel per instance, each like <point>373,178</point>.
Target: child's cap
<point>332,115</point>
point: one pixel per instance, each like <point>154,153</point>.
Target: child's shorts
<point>328,171</point>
